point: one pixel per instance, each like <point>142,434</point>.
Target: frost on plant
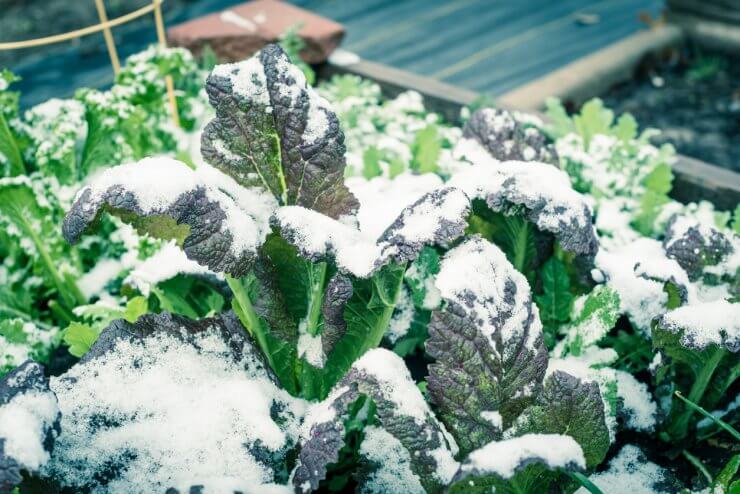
<point>697,246</point>
<point>506,139</point>
<point>488,379</point>
<point>272,130</point>
<point>504,458</point>
<point>168,402</point>
<point>510,188</point>
<point>217,223</point>
<point>29,423</point>
<point>487,344</point>
<point>403,416</point>
<point>698,344</point>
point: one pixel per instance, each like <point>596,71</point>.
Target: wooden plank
<point>517,65</point>
<point>595,73</point>
<point>439,97</point>
<point>695,180</point>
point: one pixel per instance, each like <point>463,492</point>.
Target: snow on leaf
<point>630,471</point>
<point>437,218</point>
<point>505,139</point>
<point>544,191</point>
<point>29,423</point>
<point>402,413</point>
<point>702,325</point>
<point>504,458</point>
<point>217,223</point>
<point>169,402</point>
<point>695,245</point>
<point>487,343</point>
<point>165,264</point>
<point>273,130</point>
<point>594,316</point>
<point>638,272</point>
<point>568,405</point>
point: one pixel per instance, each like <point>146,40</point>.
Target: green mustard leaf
<point>79,338</point>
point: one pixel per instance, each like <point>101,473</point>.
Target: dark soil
<point>694,98</point>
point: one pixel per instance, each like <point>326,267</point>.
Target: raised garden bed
<point>507,304</point>
<point>693,97</point>
<point>694,179</point>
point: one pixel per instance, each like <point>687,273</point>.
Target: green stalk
<point>255,326</point>
<point>376,333</point>
<point>69,291</point>
<point>247,314</point>
<point>678,428</point>
<point>698,464</point>
<point>733,432</point>
<point>520,247</point>
<point>316,277</point>
<point>9,148</point>
<point>584,481</point>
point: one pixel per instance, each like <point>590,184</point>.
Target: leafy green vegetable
<point>700,363</point>
<point>657,184</point>
<point>252,137</point>
<point>485,380</point>
<point>506,138</point>
<point>593,120</point>
<point>595,316</point>
<point>79,338</point>
<point>28,215</point>
<point>10,151</point>
<point>426,150</point>
<point>555,301</point>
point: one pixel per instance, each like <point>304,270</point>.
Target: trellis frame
<point>105,26</point>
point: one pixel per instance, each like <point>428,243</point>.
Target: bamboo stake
<point>109,41</point>
<point>168,79</point>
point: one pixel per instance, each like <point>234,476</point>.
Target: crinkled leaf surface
<point>217,223</point>
<point>273,130</point>
<point>436,218</point>
<point>569,406</point>
<point>487,344</point>
<point>695,246</point>
<point>401,412</point>
<point>699,346</point>
<point>29,423</point>
<point>544,192</point>
<point>504,138</point>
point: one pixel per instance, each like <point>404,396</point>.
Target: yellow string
<point>155,6</point>
<point>58,38</point>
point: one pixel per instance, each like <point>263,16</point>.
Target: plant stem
<point>9,148</point>
<point>68,292</point>
<point>697,463</point>
<point>679,427</point>
<point>317,277</point>
<point>733,432</point>
<point>520,237</point>
<point>584,481</point>
<point>377,332</point>
<point>249,318</point>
